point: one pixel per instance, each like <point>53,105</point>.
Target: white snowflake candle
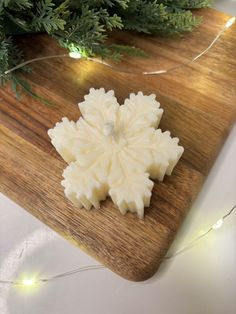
<point>115,150</point>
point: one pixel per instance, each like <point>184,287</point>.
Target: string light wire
<point>21,65</point>
<point>33,281</point>
<point>77,55</point>
<point>29,282</point>
<point>215,226</point>
<point>228,24</point>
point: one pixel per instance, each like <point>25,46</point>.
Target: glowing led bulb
<point>218,224</point>
<point>29,282</point>
<point>230,22</point>
<point>75,54</point>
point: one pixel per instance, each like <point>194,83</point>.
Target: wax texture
<point>115,150</point>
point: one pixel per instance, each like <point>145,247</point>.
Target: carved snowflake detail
<point>115,150</point>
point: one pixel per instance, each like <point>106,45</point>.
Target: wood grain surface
<point>200,107</point>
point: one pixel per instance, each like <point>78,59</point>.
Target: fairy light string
<point>30,282</point>
<point>215,226</point>
<point>77,55</point>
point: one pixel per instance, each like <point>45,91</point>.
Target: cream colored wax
<point>115,150</point>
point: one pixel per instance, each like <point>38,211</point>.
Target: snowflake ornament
<point>115,150</point>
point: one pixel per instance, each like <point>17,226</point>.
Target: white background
<point>201,280</point>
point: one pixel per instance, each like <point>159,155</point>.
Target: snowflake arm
<point>129,186</point>
<point>89,145</point>
<point>139,112</point>
<point>63,137</point>
<point>157,150</point>
<point>86,186</point>
<point>99,107</point>
<point>74,140</point>
<point>166,153</point>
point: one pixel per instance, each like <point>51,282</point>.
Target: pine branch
<point>83,33</point>
<point>19,5</point>
<point>156,17</point>
<point>110,21</point>
<point>47,17</point>
<point>10,56</point>
<point>120,51</point>
<point>187,4</point>
<point>99,3</point>
<point>4,3</point>
<point>20,84</point>
<point>21,23</point>
<point>84,26</point>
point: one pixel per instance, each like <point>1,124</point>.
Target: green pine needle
<point>21,84</point>
<point>84,25</point>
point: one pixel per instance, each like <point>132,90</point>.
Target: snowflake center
<point>109,129</point>
<point>115,140</point>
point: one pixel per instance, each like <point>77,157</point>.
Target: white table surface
<point>201,280</point>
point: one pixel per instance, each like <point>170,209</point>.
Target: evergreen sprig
<point>83,25</point>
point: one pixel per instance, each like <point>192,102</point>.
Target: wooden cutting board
<point>200,107</point>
